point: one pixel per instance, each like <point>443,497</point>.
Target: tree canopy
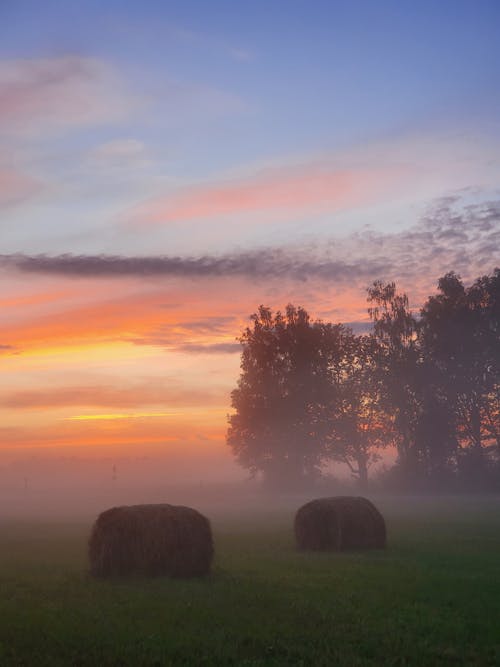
<point>305,397</point>
<point>312,393</point>
<point>282,397</point>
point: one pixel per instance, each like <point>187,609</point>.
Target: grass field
<point>433,598</point>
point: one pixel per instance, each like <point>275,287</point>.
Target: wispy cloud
<point>60,92</point>
<point>217,293</point>
<point>120,415</point>
<point>132,315</point>
<point>212,42</point>
<point>136,395</point>
<point>401,170</point>
<point>212,348</point>
<point>52,95</point>
<point>286,190</point>
<point>450,236</point>
<point>120,153</point>
<point>16,187</point>
<point>195,337</point>
<point>266,263</point>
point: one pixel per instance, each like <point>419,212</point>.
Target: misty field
<point>432,598</point>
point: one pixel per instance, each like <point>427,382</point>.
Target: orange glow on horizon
<point>107,364</point>
<point>117,415</point>
<point>138,415</point>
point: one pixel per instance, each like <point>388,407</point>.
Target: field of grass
<point>432,598</point>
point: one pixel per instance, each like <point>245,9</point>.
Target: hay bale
<point>338,524</point>
<point>166,540</point>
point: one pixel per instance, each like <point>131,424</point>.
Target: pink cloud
<point>53,94</point>
<point>16,187</point>
<point>58,92</point>
<point>286,189</point>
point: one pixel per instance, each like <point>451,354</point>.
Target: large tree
<point>360,424</point>
<point>308,394</point>
<point>281,403</point>
<point>395,330</point>
<point>460,337</point>
<point>311,392</point>
<point>441,377</point>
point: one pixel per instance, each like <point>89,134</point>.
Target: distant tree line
<point>311,392</point>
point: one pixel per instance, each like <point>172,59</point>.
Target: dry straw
<point>338,524</point>
<point>166,540</point>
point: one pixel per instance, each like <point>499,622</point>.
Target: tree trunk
<point>362,473</point>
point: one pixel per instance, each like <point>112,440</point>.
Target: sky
<point>166,167</point>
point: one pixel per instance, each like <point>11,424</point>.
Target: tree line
<point>312,393</point>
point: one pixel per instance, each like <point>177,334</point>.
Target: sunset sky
<point>166,167</point>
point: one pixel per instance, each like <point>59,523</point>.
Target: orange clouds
<point>32,299</point>
<point>135,348</point>
<point>185,315</point>
<point>284,189</point>
<point>136,318</point>
<point>152,393</point>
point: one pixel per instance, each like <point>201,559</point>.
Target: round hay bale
<point>166,540</point>
<point>339,523</point>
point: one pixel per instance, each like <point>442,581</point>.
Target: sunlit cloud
<point>16,187</point>
<point>60,92</point>
<point>134,317</point>
<point>403,169</point>
<point>451,234</point>
<point>180,317</point>
<point>212,348</point>
<point>123,153</point>
<point>119,415</point>
<point>317,187</point>
<point>125,298</point>
<point>135,395</point>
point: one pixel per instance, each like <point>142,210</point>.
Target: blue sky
<point>155,97</point>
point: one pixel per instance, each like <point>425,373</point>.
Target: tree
<point>360,426</point>
<point>460,336</point>
<point>281,403</point>
<point>441,378</point>
<point>312,392</point>
<point>395,330</point>
<point>484,296</point>
<point>307,394</point>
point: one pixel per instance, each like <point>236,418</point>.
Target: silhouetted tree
<point>395,330</point>
<point>312,392</point>
<point>281,403</point>
<point>435,436</point>
<point>308,393</point>
<point>360,425</point>
<point>460,336</point>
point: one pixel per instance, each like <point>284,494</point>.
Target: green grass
<point>433,598</point>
